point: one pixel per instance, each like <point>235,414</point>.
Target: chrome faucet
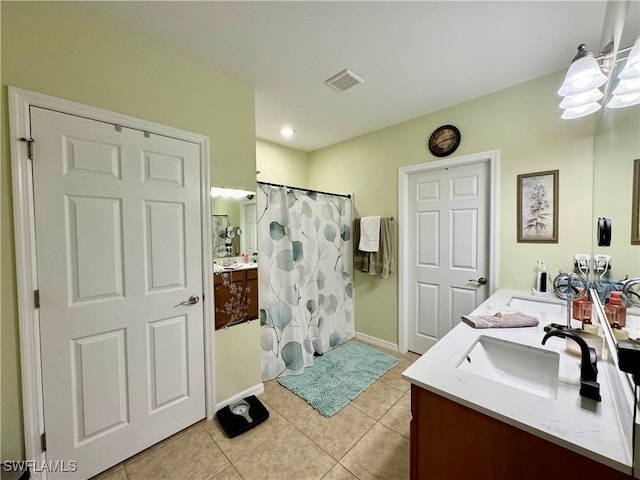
<point>589,387</point>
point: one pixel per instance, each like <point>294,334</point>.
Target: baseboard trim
<point>378,342</point>
<point>255,390</point>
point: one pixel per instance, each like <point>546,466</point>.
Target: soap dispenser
<point>541,278</point>
<point>616,312</point>
<point>581,307</point>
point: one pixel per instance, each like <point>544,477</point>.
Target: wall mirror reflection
<point>234,230</point>
<point>234,242</point>
<point>616,148</point>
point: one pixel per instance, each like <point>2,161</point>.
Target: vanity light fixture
<point>584,74</point>
<point>627,92</point>
<point>580,86</point>
<point>287,132</point>
<point>229,192</point>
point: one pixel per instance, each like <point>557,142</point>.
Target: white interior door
<point>448,212</point>
<point>118,241</point>
<point>248,219</point>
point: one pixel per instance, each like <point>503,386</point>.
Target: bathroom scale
<point>242,415</point>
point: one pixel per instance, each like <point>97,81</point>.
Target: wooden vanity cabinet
<point>233,308</point>
<point>451,441</point>
<point>252,296</point>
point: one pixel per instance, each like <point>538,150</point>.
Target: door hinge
<point>30,142</point>
<point>43,441</point>
<point>36,298</point>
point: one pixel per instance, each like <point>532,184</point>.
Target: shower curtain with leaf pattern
<point>305,291</point>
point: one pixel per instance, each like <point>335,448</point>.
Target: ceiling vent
<point>343,81</point>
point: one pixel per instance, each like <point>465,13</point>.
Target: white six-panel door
<point>118,241</point>
<point>248,219</point>
<point>448,213</point>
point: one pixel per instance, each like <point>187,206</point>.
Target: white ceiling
<point>415,57</point>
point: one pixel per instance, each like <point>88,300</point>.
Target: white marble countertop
<point>633,322</point>
<point>590,428</point>
<point>234,266</point>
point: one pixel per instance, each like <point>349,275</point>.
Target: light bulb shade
<point>581,111</point>
<point>574,101</point>
<point>625,87</point>
<point>630,73</point>
<point>621,101</point>
<point>583,75</point>
<point>229,192</point>
<point>631,70</point>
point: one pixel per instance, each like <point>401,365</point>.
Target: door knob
<point>193,299</point>
<point>480,281</point>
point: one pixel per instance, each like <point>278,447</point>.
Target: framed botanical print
<point>635,204</point>
<point>538,207</point>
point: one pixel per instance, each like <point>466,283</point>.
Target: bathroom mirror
<point>233,223</point>
<point>616,147</point>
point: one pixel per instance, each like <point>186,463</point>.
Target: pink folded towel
<point>510,320</point>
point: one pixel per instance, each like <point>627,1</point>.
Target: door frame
<point>20,101</point>
<point>243,221</point>
<point>404,258</point>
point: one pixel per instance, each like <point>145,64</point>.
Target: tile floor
<point>368,439</point>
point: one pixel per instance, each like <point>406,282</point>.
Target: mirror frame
<point>635,204</point>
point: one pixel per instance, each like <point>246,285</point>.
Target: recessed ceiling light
<point>287,132</point>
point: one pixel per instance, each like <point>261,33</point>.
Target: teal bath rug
<point>339,376</point>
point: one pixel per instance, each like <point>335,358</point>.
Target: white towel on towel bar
<point>369,234</point>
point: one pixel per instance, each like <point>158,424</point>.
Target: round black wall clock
<point>444,140</point>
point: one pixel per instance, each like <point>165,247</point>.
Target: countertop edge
<point>524,425</point>
<point>622,467</point>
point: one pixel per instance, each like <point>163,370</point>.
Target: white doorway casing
<point>405,252</point>
<point>20,102</point>
<point>249,227</point>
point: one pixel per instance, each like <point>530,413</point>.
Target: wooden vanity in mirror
<point>236,296</point>
<point>234,246</point>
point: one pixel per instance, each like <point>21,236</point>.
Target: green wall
<point>238,360</point>
<point>617,146</point>
<point>229,207</point>
<point>280,164</point>
<point>53,50</point>
<point>523,123</point>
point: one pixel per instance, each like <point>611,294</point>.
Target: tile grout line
<point>287,422</point>
<point>337,462</point>
<point>221,449</point>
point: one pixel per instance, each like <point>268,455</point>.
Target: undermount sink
<point>527,368</point>
<point>537,305</point>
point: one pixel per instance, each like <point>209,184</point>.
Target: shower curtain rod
<point>305,189</point>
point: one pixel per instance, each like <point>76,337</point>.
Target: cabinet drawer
<point>232,276</point>
<point>252,274</point>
